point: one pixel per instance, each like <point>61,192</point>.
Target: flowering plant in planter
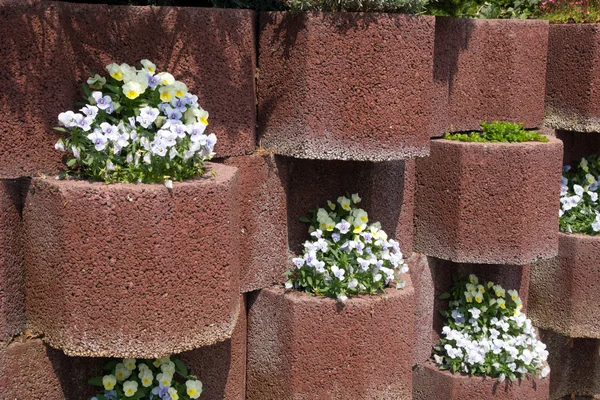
<point>137,126</point>
<point>579,211</point>
<point>160,379</point>
<point>345,255</point>
<point>486,333</point>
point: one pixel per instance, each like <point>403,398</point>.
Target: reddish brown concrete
<point>346,86</point>
<point>578,145</point>
<point>262,180</point>
<point>386,189</point>
<point>306,347</point>
<point>565,289</point>
<point>12,291</point>
<point>222,367</point>
<point>429,383</point>
<point>486,70</point>
<point>31,370</point>
<point>574,365</point>
<point>489,203</point>
<point>66,42</point>
<point>432,277</point>
<point>572,82</point>
<point>132,270</point>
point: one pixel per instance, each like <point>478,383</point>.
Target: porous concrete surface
<point>578,145</point>
<point>574,365</point>
<point>262,187</point>
<point>30,370</point>
<point>345,86</point>
<point>221,367</point>
<point>67,42</point>
<point>12,286</point>
<point>307,347</point>
<point>430,383</point>
<point>432,276</point>
<point>487,70</point>
<point>386,190</point>
<point>129,270</point>
<point>572,81</point>
<point>565,289</point>
<point>489,203</point>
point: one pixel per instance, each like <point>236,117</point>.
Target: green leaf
<point>71,162</point>
<point>86,90</point>
<point>96,381</point>
<point>304,219</point>
<point>180,367</point>
<point>111,365</point>
<point>60,129</point>
<point>444,296</point>
<point>112,88</point>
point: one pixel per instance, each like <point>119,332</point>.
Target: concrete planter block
<point>572,97</point>
<point>346,86</point>
<point>430,383</point>
<point>565,289</point>
<point>263,185</point>
<point>306,347</point>
<point>130,270</point>
<point>12,284</point>
<point>489,203</point>
<point>486,70</point>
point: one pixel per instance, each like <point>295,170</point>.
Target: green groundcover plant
<point>346,255</point>
<point>162,379</point>
<point>498,132</point>
<point>486,333</point>
<point>579,211</point>
<point>566,11</point>
<point>520,9</point>
<point>137,125</point>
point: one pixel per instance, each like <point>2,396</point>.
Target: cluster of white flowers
<point>345,255</point>
<point>487,334</point>
<point>580,210</point>
<point>145,379</point>
<point>137,128</point>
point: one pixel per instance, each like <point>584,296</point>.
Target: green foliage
<point>563,11</point>
<point>580,210</point>
<point>497,131</point>
<point>483,9</point>
<point>388,6</point>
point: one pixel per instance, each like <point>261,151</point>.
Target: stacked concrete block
<point>262,191</point>
<point>12,291</point>
<point>67,42</point>
<point>222,366</point>
<point>487,70</point>
<point>310,347</point>
<point>31,370</point>
<point>346,86</point>
<point>574,365</point>
<point>565,289</point>
<point>572,96</point>
<point>132,270</point>
<point>434,384</point>
<point>490,203</point>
